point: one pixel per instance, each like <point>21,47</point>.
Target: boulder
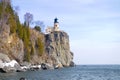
<point>44,66</point>
<point>22,78</point>
<point>35,67</point>
<point>72,64</point>
<point>7,69</point>
<point>3,59</point>
<point>11,66</point>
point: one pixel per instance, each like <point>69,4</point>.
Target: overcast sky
<point>93,26</point>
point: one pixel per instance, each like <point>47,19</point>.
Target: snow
<point>11,63</point>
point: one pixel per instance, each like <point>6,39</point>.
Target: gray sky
<point>93,26</point>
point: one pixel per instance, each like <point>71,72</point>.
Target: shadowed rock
<point>58,48</point>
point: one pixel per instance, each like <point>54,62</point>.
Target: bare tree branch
<point>28,18</point>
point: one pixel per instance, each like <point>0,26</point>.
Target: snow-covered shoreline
<point>14,66</point>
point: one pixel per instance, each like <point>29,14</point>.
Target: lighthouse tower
<point>56,25</point>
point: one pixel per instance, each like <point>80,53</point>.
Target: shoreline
<point>14,66</point>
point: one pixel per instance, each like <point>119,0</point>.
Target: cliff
<point>57,47</point>
<point>52,49</point>
<point>21,44</point>
<point>56,51</point>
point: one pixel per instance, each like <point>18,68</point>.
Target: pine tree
<point>40,46</point>
<point>37,28</point>
<point>32,50</point>
<point>27,55</point>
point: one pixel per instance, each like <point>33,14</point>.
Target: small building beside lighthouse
<point>54,28</point>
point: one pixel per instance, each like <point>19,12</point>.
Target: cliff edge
<point>21,45</point>
<point>58,48</point>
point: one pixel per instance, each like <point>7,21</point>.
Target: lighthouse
<point>56,25</point>
<point>54,28</point>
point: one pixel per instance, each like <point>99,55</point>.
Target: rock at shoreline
<point>72,64</point>
<point>11,66</point>
<point>7,69</point>
<point>22,78</point>
<point>43,66</point>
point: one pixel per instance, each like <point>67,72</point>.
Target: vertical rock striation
<point>58,48</point>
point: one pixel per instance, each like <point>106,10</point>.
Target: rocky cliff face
<point>11,44</point>
<point>56,44</point>
<point>36,58</point>
<point>20,43</point>
<point>58,49</point>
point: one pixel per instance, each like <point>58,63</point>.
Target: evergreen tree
<point>26,46</point>
<point>27,55</point>
<point>32,50</point>
<point>9,17</point>
<point>40,46</point>
<point>19,30</point>
<point>37,28</point>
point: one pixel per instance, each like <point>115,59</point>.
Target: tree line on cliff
<point>9,16</point>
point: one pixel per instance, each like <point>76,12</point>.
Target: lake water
<point>83,72</point>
